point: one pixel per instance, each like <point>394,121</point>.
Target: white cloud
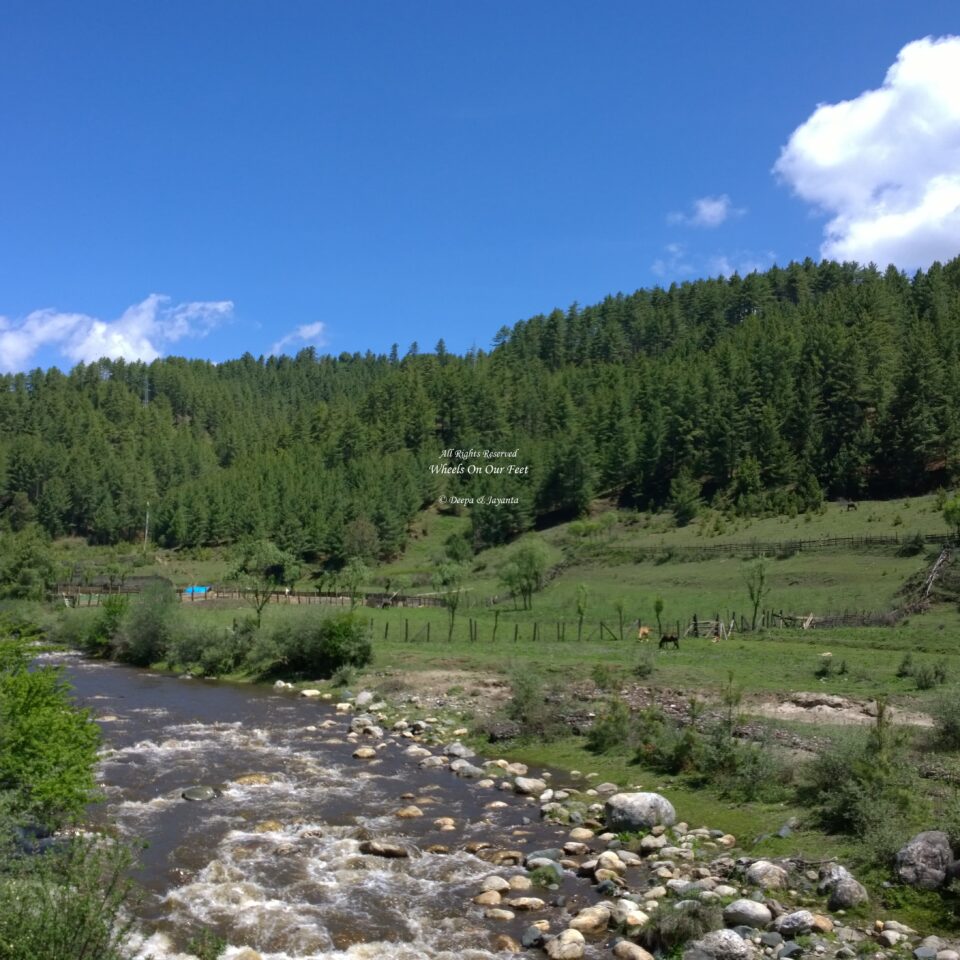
<point>742,263</point>
<point>307,333</point>
<point>674,263</point>
<point>140,333</point>
<point>886,165</point>
<point>707,212</point>
<point>678,263</point>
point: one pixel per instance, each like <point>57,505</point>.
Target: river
<point>276,866</point>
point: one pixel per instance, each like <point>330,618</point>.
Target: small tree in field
<point>582,597</point>
<point>261,569</point>
<point>448,582</point>
<point>523,572</point>
<point>951,513</point>
<point>658,611</point>
<point>354,575</point>
<point>755,577</point>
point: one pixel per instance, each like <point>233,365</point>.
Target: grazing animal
<point>668,639</point>
<point>851,505</point>
<point>643,633</point>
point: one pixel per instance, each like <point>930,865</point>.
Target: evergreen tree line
<point>760,393</point>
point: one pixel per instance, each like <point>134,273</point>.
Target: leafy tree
<point>48,747</point>
<point>951,514</point>
<point>261,569</point>
<point>685,497</point>
<point>523,571</point>
<point>755,577</point>
<point>448,582</point>
<point>354,575</point>
<point>27,570</point>
<point>582,598</point>
<point>657,612</point>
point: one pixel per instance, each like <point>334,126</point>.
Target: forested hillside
<point>758,393</point>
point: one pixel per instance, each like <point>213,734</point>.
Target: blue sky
<point>210,178</point>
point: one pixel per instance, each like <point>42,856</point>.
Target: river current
<point>276,865</point>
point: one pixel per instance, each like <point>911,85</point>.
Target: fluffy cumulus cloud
<point>707,212</point>
<point>307,334</point>
<point>140,333</point>
<point>886,165</point>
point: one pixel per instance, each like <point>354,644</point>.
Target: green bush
<point>906,666</point>
<point>946,722</point>
<point>47,746</point>
<point>924,677</point>
<point>537,711</point>
<point>670,928</point>
<point>72,903</point>
<point>605,676</point>
<point>853,786</point>
<point>146,628</point>
<point>611,729</point>
<point>645,664</point>
<point>314,646</point>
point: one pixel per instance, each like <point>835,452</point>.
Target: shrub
<point>71,903</point>
<point>670,928</point>
<point>912,546</point>
<point>604,675</point>
<point>906,666</point>
<point>47,746</point>
<point>315,647</point>
<point>611,729</point>
<point>852,787</point>
<point>924,677</point>
<point>145,630</point>
<point>946,722</point>
<point>645,664</point>
<point>536,711</point>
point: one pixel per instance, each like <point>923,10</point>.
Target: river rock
<point>519,882</point>
<point>747,912</point>
<point>364,698</point>
<point>504,943</point>
<point>630,812</point>
<point>569,945</point>
<point>382,848</point>
<point>495,882</point>
<point>199,793</point>
<point>924,861</point>
<point>844,890</point>
<point>364,753</point>
<point>625,950</point>
<point>254,779</point>
<point>409,813</point>
<point>457,749</point>
<point>246,953</point>
<point>528,786</point>
<point>794,924</point>
<point>720,945</point>
<point>591,919</point>
<point>524,903</point>
<point>310,693</point>
<point>489,898</point>
<point>770,876</point>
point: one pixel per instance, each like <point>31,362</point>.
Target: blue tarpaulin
<point>196,590</point>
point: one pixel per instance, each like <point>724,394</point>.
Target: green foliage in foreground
<point>69,903</point>
<point>47,746</point>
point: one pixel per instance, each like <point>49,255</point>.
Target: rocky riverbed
<point>296,828</point>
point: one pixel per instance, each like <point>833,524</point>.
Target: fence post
<point>516,631</point>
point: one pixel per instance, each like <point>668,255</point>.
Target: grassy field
<point>621,562</point>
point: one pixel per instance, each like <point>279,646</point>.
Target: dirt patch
<point>482,693</point>
<point>829,708</point>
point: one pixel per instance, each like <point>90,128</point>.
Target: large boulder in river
<point>924,861</point>
<point>630,812</point>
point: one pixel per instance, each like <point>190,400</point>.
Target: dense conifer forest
<point>758,393</point>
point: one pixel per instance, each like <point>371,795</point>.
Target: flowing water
<point>276,866</point>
